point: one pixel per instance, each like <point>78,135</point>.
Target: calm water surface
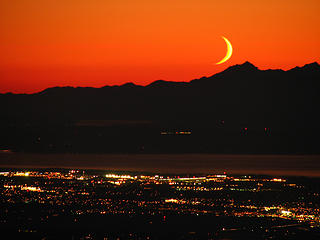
<point>300,165</point>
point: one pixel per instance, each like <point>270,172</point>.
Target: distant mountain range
<point>242,96</point>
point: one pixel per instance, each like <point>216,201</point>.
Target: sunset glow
<point>97,43</point>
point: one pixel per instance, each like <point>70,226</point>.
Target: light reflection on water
<point>300,165</point>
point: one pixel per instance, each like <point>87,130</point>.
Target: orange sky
<point>106,42</point>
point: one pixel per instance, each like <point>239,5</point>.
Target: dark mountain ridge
<point>240,97</point>
<point>246,67</point>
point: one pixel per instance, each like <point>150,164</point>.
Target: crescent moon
<point>229,51</point>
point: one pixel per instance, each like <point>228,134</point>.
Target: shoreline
<point>291,165</point>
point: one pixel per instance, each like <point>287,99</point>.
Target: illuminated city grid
<point>77,187</point>
<point>80,193</point>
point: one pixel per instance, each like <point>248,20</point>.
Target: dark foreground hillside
<point>240,110</point>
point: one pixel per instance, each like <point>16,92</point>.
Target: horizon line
<point>132,83</point>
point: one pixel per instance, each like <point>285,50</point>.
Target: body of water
<point>298,165</point>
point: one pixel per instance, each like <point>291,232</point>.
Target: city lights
<point>81,193</point>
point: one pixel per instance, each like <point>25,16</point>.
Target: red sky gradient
<point>106,42</point>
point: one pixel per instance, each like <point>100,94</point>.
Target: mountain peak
<point>157,83</point>
<point>314,66</point>
<point>129,85</point>
<point>246,66</point>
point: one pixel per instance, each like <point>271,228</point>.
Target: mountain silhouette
<point>278,108</point>
<point>245,67</point>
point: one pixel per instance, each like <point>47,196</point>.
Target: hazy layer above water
<point>301,165</point>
